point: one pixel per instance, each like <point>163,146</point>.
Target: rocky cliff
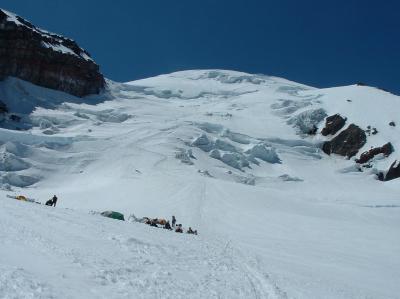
<point>45,59</point>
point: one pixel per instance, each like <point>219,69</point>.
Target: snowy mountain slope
<point>59,253</point>
<point>225,152</point>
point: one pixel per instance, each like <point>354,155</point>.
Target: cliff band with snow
<point>45,59</point>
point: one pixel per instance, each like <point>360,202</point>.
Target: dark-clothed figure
<point>154,223</point>
<point>167,225</point>
<point>49,202</point>
<point>173,221</point>
<point>190,231</point>
<point>179,229</point>
<point>54,201</point>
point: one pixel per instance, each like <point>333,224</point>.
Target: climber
<point>154,223</point>
<point>54,200</point>
<point>190,231</point>
<point>179,228</point>
<point>173,221</point>
<point>49,202</point>
<point>167,225</point>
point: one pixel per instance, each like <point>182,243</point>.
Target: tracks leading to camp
<point>68,254</point>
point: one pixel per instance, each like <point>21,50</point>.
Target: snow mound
<point>231,78</point>
<point>16,148</point>
<point>203,143</point>
<point>263,152</point>
<point>287,107</point>
<point>184,155</point>
<point>307,120</point>
<point>18,283</point>
<point>10,162</point>
<point>234,156</point>
<point>18,180</point>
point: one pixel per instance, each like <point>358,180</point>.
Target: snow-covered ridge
<point>52,40</point>
<point>246,121</point>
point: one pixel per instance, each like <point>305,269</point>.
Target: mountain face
<point>239,157</point>
<point>45,59</point>
<point>294,190</point>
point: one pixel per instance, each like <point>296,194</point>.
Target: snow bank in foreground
<point>89,256</point>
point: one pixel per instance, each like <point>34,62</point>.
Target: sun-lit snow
<point>225,152</point>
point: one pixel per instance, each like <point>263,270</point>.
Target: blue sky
<point>320,43</point>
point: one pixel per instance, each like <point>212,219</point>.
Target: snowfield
<point>59,253</point>
<point>228,154</point>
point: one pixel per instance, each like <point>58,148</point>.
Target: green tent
<point>113,215</point>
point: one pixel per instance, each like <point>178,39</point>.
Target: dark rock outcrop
<point>386,149</point>
<point>347,143</point>
<point>45,59</point>
<point>393,172</point>
<point>333,124</point>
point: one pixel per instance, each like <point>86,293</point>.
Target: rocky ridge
<point>45,59</point>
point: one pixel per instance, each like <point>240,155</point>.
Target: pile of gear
<point>163,223</point>
<point>50,202</point>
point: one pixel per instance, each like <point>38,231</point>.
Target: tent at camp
<point>113,215</point>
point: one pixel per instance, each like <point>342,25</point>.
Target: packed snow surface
<point>228,154</point>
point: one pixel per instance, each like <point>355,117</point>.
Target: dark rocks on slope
<point>347,143</point>
<point>371,130</point>
<point>333,124</point>
<point>393,172</point>
<point>386,149</point>
<point>45,59</point>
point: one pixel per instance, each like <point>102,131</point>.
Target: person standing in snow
<point>173,221</point>
<point>54,201</point>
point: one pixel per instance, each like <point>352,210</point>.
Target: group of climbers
<point>52,202</point>
<point>166,225</point>
<point>152,222</point>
